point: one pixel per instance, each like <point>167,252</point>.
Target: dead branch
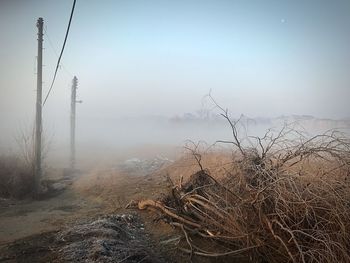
<point>286,199</point>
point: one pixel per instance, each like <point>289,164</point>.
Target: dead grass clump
<point>16,177</point>
<point>286,198</point>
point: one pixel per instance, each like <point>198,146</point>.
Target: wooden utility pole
<point>72,121</point>
<point>38,127</point>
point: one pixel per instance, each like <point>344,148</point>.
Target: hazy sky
<point>260,58</point>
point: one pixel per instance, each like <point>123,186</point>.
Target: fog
<point>103,142</point>
<point>144,69</point>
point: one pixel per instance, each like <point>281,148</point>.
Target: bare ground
<point>29,228</point>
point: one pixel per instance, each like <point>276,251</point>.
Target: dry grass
<point>182,169</point>
<point>297,214</point>
<point>284,198</point>
<point>16,177</point>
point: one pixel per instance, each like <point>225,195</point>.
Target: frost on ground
<point>145,166</point>
<point>114,238</point>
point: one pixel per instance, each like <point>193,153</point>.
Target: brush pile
<point>286,198</point>
<point>114,238</point>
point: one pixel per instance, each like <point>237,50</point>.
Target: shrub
<point>285,199</point>
<point>16,177</point>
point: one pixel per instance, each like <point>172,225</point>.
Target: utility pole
<point>74,101</point>
<point>38,127</point>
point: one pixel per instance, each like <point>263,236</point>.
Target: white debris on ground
<point>145,166</point>
<point>114,238</point>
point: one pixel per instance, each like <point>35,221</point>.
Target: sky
<point>159,57</point>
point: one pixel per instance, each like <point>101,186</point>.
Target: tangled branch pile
<point>285,199</point>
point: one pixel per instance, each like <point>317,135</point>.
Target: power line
<point>59,58</point>
<point>55,52</point>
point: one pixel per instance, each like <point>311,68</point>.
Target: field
<point>281,197</point>
<point>175,131</point>
<point>47,230</point>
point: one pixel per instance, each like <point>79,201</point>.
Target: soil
<point>30,229</point>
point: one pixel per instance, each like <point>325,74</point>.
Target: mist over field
<point>140,65</point>
<point>108,141</point>
<point>172,131</point>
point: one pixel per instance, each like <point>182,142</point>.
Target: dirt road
<point>19,219</point>
<point>28,228</point>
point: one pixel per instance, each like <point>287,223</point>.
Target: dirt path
<point>28,226</point>
<point>90,195</point>
<point>19,219</point>
<point>29,229</point>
